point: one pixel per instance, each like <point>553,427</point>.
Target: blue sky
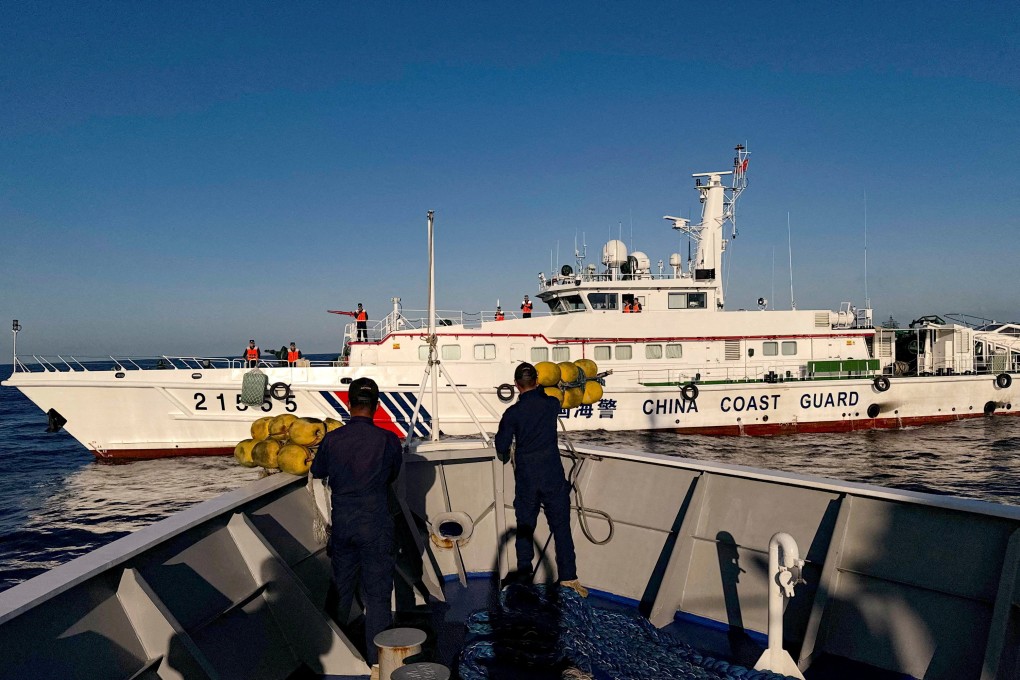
<point>178,177</point>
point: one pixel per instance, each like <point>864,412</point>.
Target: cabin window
<point>561,354</point>
<point>770,349</point>
<point>567,304</point>
<point>624,352</point>
<point>789,348</point>
<point>603,353</point>
<point>423,352</point>
<point>602,300</point>
<point>653,351</point>
<point>674,351</point>
<point>485,352</point>
<point>539,354</point>
<point>696,300</point>
<point>450,351</point>
<point>678,300</point>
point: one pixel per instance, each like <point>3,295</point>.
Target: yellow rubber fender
<point>242,452</point>
<point>548,373</point>
<point>589,367</point>
<point>279,427</point>
<point>555,392</point>
<point>260,428</point>
<point>294,459</point>
<point>572,397</point>
<point>568,372</point>
<point>265,452</point>
<point>333,424</point>
<point>307,431</point>
<point>592,392</point>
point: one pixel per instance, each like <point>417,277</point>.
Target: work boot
<point>576,586</point>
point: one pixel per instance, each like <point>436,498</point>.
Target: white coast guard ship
<point>683,363</point>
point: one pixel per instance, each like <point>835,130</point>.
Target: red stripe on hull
<point>768,429</point>
<point>126,455</point>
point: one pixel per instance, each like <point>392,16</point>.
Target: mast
<point>433,349</point>
<point>719,204</point>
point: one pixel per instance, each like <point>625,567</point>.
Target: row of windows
<point>610,301</point>
<point>487,352</point>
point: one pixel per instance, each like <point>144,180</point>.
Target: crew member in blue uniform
<point>538,476</point>
<point>361,461</point>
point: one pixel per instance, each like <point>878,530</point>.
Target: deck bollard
<point>421,671</point>
<point>395,645</point>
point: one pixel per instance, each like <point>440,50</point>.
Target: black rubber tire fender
<point>505,393</point>
<point>1004,380</point>
<point>280,391</point>
<point>689,392</point>
<point>882,383</point>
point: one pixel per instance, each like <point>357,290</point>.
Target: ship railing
<point>559,280</point>
<point>419,320</point>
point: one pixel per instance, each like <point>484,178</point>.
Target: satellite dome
<point>614,253</point>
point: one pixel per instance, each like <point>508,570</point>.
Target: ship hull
<point>156,414</point>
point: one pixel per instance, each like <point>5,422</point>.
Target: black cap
<point>251,341</point>
<point>363,392</point>
<point>525,374</point>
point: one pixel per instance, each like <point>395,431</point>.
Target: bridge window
<point>696,300</point>
<point>539,354</point>
<point>485,352</point>
<point>770,349</point>
<point>653,351</point>
<point>602,300</point>
<point>624,352</point>
<point>451,352</point>
<point>567,304</point>
<point>789,348</point>
<point>677,301</point>
<point>674,351</point>
<point>603,353</point>
<point>561,354</point>
<point>423,352</point>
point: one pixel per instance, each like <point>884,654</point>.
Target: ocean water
<point>57,503</point>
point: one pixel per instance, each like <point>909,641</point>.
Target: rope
<point>552,628</point>
<point>582,510</point>
<point>321,522</point>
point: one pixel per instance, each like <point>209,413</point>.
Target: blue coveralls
<point>539,478</point>
<point>361,461</point>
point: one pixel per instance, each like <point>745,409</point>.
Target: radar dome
<point>614,253</point>
<point>643,263</point>
<point>674,260</point>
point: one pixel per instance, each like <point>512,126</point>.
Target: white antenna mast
<point>773,298</point>
<point>789,245</point>
<point>867,298</point>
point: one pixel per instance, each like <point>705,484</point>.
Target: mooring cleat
<point>575,585</point>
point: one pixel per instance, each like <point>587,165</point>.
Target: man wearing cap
<point>360,461</point>
<point>538,476</point>
<point>526,308</point>
<point>251,354</point>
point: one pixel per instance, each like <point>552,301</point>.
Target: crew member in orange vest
<point>361,316</point>
<point>627,307</point>
<point>526,308</point>
<point>251,354</point>
<point>293,354</point>
<point>636,307</point>
<point>499,313</point>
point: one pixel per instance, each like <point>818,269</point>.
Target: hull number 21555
<point>219,402</point>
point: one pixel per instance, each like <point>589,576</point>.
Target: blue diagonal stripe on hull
<point>401,405</point>
<point>337,405</point>
<point>406,401</point>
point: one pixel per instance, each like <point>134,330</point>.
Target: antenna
<point>773,274</point>
<point>789,242</point>
<point>631,210</point>
<point>867,298</point>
